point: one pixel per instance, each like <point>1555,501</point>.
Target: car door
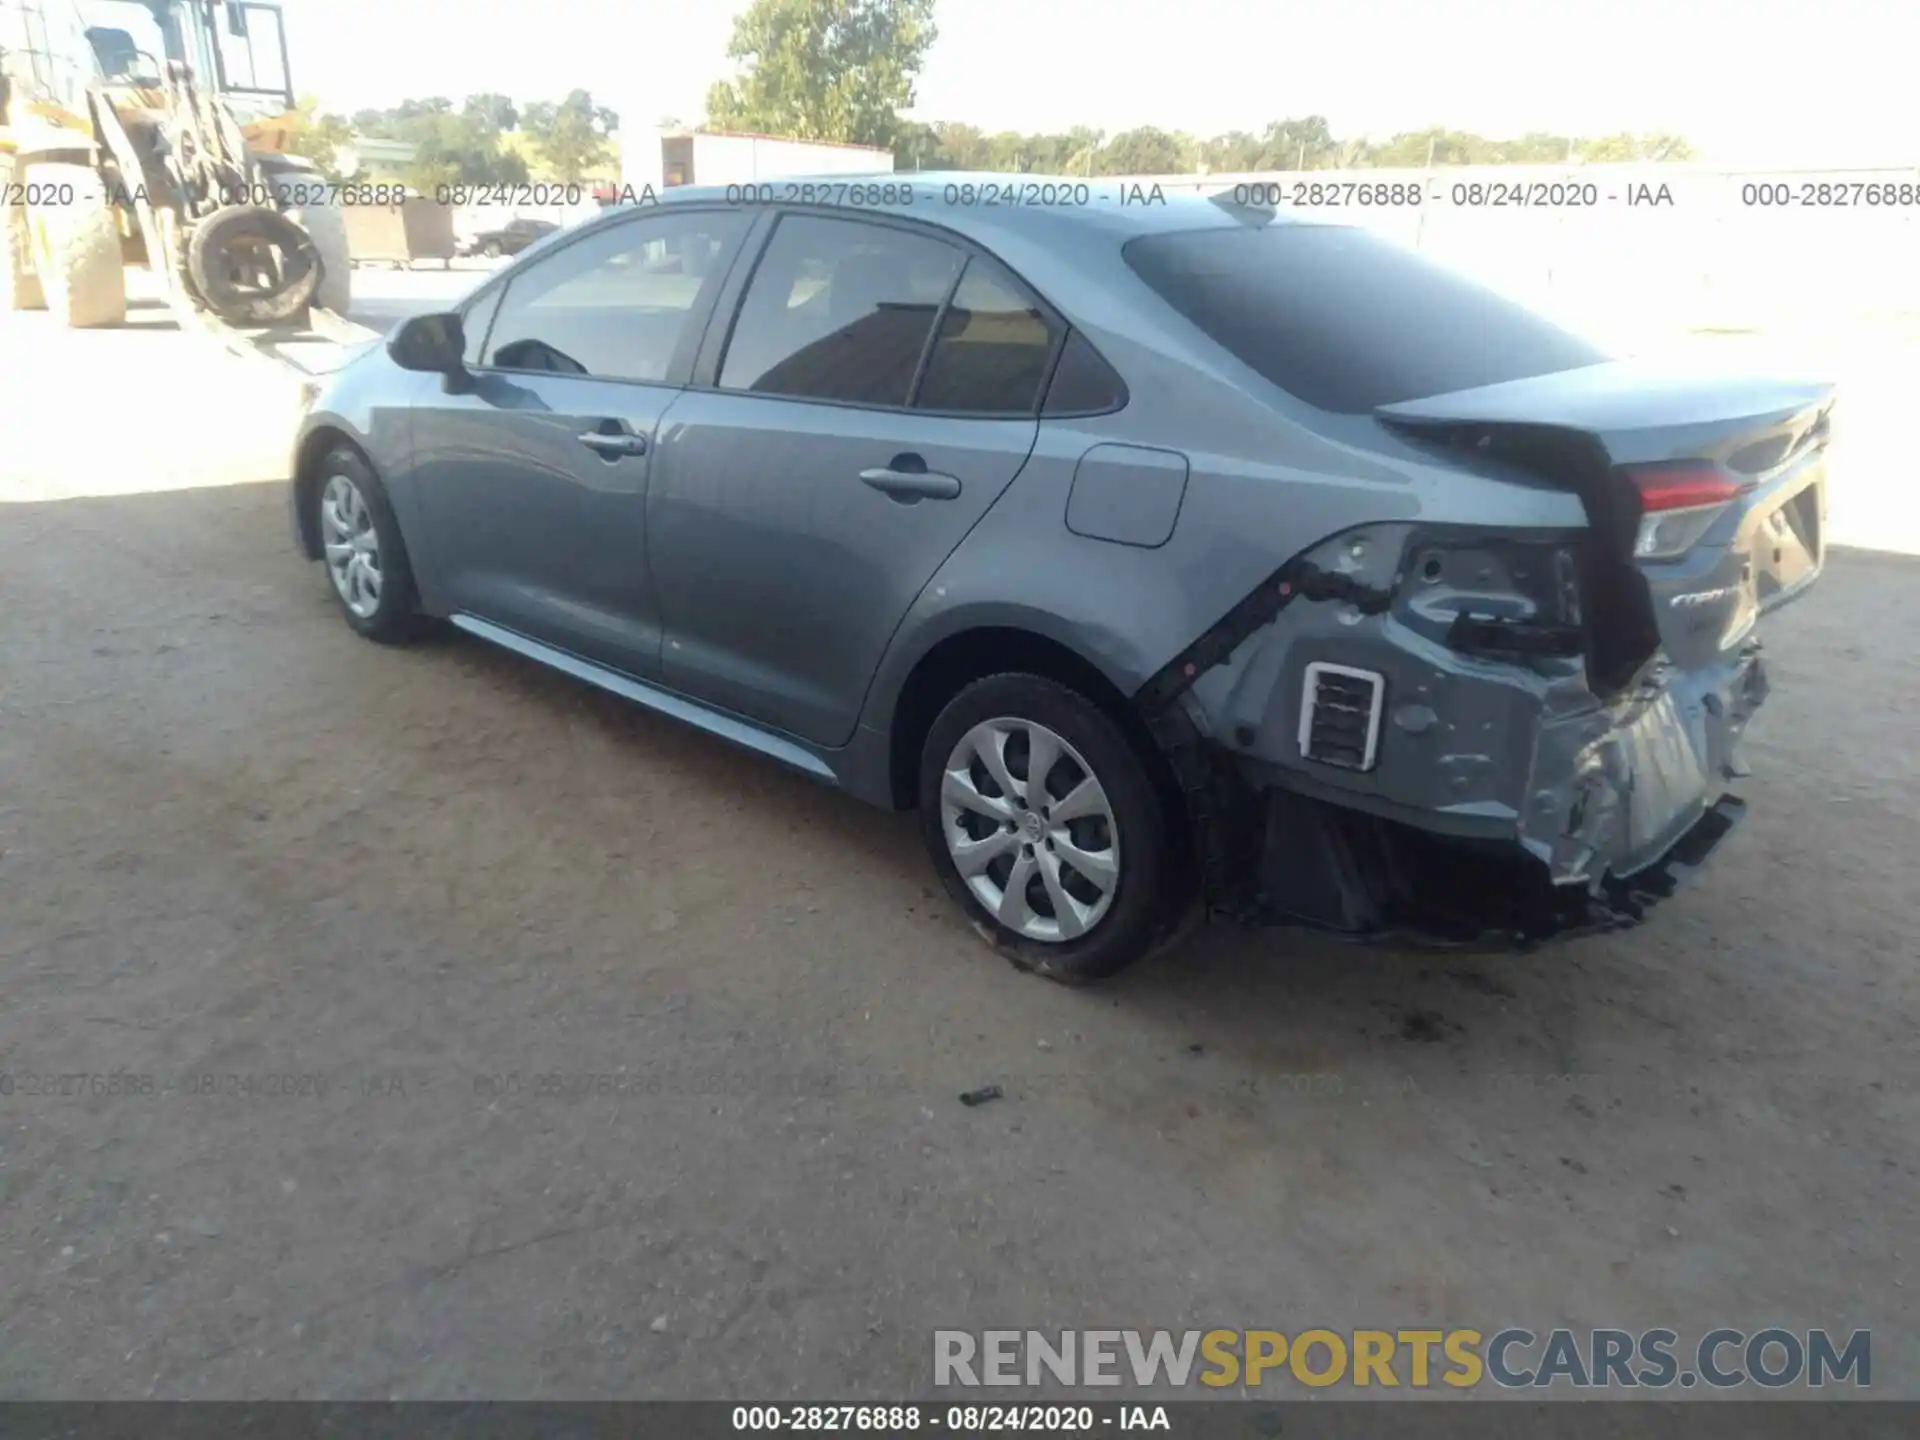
<point>532,475</point>
<point>876,393</point>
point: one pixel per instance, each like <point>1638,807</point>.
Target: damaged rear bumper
<point>1365,878</point>
<point>1484,802</point>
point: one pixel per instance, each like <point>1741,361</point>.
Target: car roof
<point>997,204</point>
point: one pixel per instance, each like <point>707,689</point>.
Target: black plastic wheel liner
<point>214,239</point>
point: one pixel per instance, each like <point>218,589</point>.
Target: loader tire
<point>326,225</point>
<point>19,286</point>
<point>214,241</point>
<point>76,249</point>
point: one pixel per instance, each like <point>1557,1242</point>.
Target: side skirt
<point>654,697</point>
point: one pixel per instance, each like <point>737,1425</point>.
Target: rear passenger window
<point>839,310</point>
<point>991,357</point>
<point>615,305</point>
<point>1083,383</point>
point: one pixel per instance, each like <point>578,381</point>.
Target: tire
<point>326,226</point>
<point>215,238</point>
<point>394,614</point>
<point>76,250</point>
<point>491,250</point>
<point>1141,896</point>
<point>22,287</point>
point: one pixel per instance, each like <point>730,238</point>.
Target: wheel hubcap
<point>1030,829</point>
<point>352,545</point>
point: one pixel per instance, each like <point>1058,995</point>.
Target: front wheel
<point>1046,828</point>
<point>360,544</point>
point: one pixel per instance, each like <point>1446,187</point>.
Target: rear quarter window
<point>1346,320</point>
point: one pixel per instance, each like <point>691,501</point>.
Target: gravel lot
<point>235,840</point>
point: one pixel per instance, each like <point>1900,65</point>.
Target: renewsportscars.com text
<point>1512,1358</point>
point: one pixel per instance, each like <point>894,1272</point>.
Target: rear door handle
<point>614,438</point>
<point>908,485</point>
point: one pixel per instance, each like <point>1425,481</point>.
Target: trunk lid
<point>1744,457</point>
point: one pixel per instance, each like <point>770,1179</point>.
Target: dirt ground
<point>396,893</point>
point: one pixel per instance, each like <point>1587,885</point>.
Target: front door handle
<point>906,478</point>
<point>612,439</point>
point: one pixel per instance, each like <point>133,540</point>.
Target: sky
<point>1789,82</point>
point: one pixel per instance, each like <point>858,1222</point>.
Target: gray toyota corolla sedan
<point>1156,550</point>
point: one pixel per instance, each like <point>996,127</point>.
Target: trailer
<point>415,229</point>
<point>651,157</point>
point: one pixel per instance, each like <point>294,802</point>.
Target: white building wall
<point>736,159</point>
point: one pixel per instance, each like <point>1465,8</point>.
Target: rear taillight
<point>1678,504</point>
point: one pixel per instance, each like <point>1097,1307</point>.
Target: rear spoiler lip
<point>1616,396</point>
<point>1651,444</point>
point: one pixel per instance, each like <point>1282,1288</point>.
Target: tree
<point>1145,151</point>
<point>824,69</point>
<point>490,139</point>
<point>571,137</point>
<point>318,137</point>
<point>453,149</point>
<point>1657,146</point>
<point>491,112</point>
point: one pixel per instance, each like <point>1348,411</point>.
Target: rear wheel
<point>1046,828</point>
<point>75,246</point>
<point>365,557</point>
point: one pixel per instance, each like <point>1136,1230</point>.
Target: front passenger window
<point>617,305</point>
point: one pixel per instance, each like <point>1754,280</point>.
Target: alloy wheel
<point>1030,829</point>
<point>352,544</point>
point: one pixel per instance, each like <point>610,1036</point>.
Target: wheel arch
<point>314,447</point>
<point>959,659</point>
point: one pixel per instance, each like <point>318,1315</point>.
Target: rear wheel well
<point>306,479</point>
<point>959,660</point>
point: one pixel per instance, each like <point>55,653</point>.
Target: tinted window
<point>839,310</point>
<point>991,357</point>
<point>1346,320</point>
<point>1083,383</point>
<point>616,304</point>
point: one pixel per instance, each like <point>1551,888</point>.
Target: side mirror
<point>432,344</point>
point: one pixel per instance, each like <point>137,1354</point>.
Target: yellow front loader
<point>153,133</point>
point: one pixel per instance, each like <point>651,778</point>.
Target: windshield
<point>126,39</point>
<point>132,39</point>
<point>1345,319</point>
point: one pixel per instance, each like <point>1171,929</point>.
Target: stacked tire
<point>326,225</point>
